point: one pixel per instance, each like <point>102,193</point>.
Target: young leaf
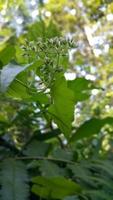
<point>39,29</point>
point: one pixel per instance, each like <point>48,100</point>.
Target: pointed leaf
<point>91,127</point>
<point>62,109</point>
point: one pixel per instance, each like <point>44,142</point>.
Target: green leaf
<point>103,165</point>
<point>14,180</point>
<point>94,175</point>
<point>37,97</point>
<point>7,54</point>
<point>81,88</point>
<point>62,109</point>
<point>18,88</point>
<point>14,82</point>
<point>99,195</point>
<point>71,198</point>
<point>8,74</point>
<point>35,30</point>
<point>52,30</point>
<point>55,187</point>
<point>36,148</point>
<point>39,29</point>
<point>63,154</point>
<point>90,127</point>
<point>49,135</point>
<point>50,169</point>
<point>82,173</point>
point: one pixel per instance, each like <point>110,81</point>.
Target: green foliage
<point>39,29</point>
<point>95,177</point>
<point>53,98</point>
<point>51,76</point>
<point>43,155</point>
<point>14,180</point>
<point>7,54</point>
<point>8,74</point>
<point>56,174</point>
<point>55,188</point>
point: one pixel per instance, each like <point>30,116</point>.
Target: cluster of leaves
<point>40,167</point>
<point>42,155</point>
<point>49,70</point>
<point>43,171</point>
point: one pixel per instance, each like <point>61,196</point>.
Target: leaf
<point>14,180</point>
<point>55,187</point>
<point>94,175</point>
<point>59,153</point>
<point>49,135</point>
<point>14,79</point>
<point>71,198</point>
<point>7,54</point>
<point>8,74</point>
<point>36,148</point>
<point>81,88</point>
<point>103,165</point>
<point>18,88</point>
<point>52,30</point>
<point>35,30</point>
<point>62,109</point>
<point>98,195</point>
<point>40,29</point>
<point>39,97</point>
<point>91,127</point>
<point>82,173</point>
<point>50,169</point>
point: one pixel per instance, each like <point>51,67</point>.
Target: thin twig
<point>44,158</point>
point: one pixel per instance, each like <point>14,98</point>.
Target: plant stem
<point>44,158</point>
